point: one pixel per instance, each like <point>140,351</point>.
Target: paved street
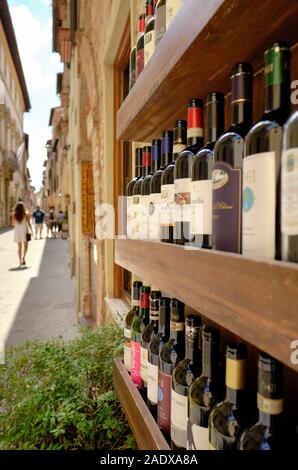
<point>37,301</point>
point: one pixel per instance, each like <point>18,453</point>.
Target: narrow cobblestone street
<point>36,301</point>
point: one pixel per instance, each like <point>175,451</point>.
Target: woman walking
<point>22,222</point>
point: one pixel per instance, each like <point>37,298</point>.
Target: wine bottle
<point>173,6</point>
<point>170,354</point>
<point>184,373</point>
<point>137,328</point>
<point>161,20</point>
<point>157,340</point>
<point>183,169</point>
<point>136,223</point>
<point>227,169</point>
<point>154,199</point>
<point>140,46</point>
<point>133,312</point>
<point>145,193</point>
<point>155,185</point>
<point>132,67</point>
<point>261,171</point>
<point>289,190</point>
<point>204,392</point>
<point>167,184</point>
<point>266,434</point>
<point>201,185</point>
<point>149,329</point>
<point>149,38</point>
<point>227,418</point>
<point>130,209</point>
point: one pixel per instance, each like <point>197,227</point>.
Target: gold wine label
<point>210,446</point>
<point>177,326</point>
<point>235,373</point>
<point>269,405</point>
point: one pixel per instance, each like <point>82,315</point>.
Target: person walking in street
<point>22,225</point>
<point>38,216</point>
<point>52,222</point>
<point>60,218</point>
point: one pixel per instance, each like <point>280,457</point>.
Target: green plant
<point>57,395</point>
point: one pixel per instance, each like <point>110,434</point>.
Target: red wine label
<point>164,402</point>
<point>142,24</point>
<point>144,300</point>
<point>136,363</point>
<point>140,62</point>
<point>194,122</point>
<point>227,207</point>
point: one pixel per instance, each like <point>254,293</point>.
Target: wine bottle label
<point>201,207</point>
<point>135,302</point>
<point>167,205</point>
<point>194,122</point>
<point>154,223</point>
<point>144,217</point>
<point>154,314</point>
<point>289,192</point>
<point>270,406</point>
<point>149,46</point>
<point>127,355</point>
<point>259,205</point>
<point>144,364</point>
<point>178,148</point>
<point>182,211</point>
<point>135,221</point>
<point>130,214</point>
<point>197,437</point>
<point>173,6</point>
<point>152,383</point>
<point>227,208</point>
<point>177,326</point>
<point>140,62</point>
<point>136,363</point>
<point>164,402</point>
<point>160,23</point>
<point>127,333</point>
<point>179,411</point>
<point>235,373</point>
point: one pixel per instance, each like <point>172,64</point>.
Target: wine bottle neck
<point>138,171</point>
<point>193,354</point>
<point>214,121</point>
<point>242,114</point>
<point>270,421</point>
<point>277,99</point>
<point>236,397</point>
<point>210,359</point>
<point>177,336</point>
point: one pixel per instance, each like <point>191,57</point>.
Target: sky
<point>32,21</point>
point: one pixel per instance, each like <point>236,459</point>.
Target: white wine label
<point>127,333</point>
<point>130,211</point>
<point>182,211</point>
<point>127,357</point>
<point>179,411</point>
<point>154,217</point>
<point>259,205</point>
<point>201,207</point>
<point>173,6</point>
<point>160,23</point>
<point>135,220</point>
<point>149,45</point>
<point>167,204</point>
<point>197,438</point>
<point>143,217</point>
<point>177,326</point>
<point>270,406</point>
<point>194,132</point>
<point>178,148</point>
<point>152,383</point>
<point>289,192</point>
<point>144,364</point>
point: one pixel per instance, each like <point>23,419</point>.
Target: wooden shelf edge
<point>147,434</point>
<point>255,300</point>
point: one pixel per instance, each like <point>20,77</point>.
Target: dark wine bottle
<point>201,185</point>
<point>157,340</point>
<point>261,168</point>
<point>204,392</point>
<point>132,67</point>
<point>148,331</point>
<point>170,354</point>
<point>227,418</point>
<point>168,186</point>
<point>267,433</point>
<point>184,373</point>
<point>140,61</point>
<point>133,312</point>
<point>161,20</point>
<point>137,328</point>
<point>135,223</point>
<point>289,190</point>
<point>183,169</point>
<point>228,161</point>
<point>145,193</point>
<point>149,38</point>
<point>154,199</point>
<point>155,185</point>
<point>130,209</point>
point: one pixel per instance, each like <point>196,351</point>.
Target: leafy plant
<point>57,395</point>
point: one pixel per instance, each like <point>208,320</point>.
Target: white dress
<point>20,231</point>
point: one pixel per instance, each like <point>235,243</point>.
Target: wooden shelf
<point>256,300</point>
<point>142,423</point>
<point>196,55</point>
